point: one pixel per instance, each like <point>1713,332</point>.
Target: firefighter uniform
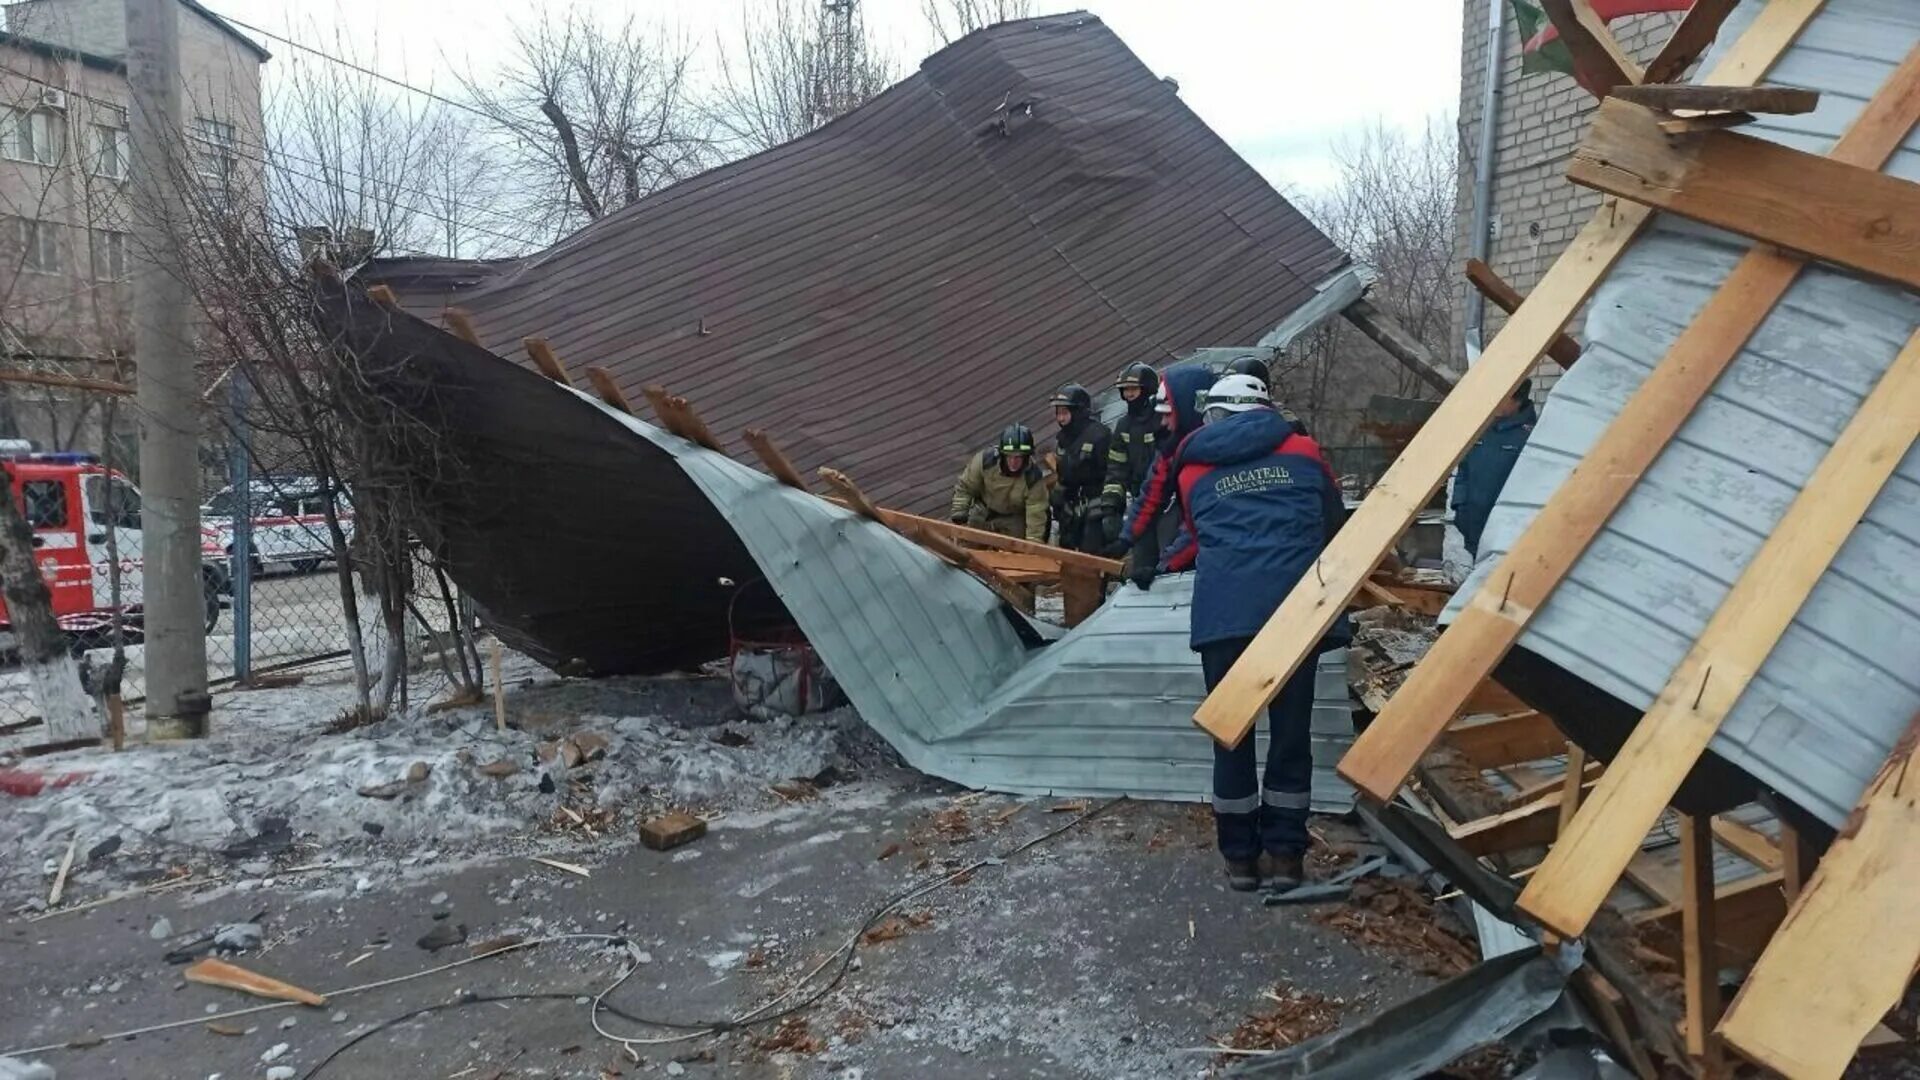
<point>1011,503</point>
<point>1081,452</point>
<point>1131,453</point>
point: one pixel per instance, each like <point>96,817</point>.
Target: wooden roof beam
<point>1768,98</point>
<point>775,461</point>
<point>1844,213</point>
<point>459,324</point>
<point>1599,63</point>
<point>1691,38</point>
<point>608,390</point>
<point>1564,350</point>
<point>546,360</point>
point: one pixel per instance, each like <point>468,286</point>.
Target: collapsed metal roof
<point>591,538</point>
<point>1033,206</point>
<point>1841,685</point>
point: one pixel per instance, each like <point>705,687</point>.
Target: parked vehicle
<point>289,522</point>
<point>85,517</point>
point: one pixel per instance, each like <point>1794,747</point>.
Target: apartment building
<point>66,189</point>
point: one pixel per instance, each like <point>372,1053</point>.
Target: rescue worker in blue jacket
<point>1132,453</point>
<point>1483,472</point>
<point>1261,504</point>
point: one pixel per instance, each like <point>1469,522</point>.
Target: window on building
<point>39,245</point>
<point>32,135</point>
<point>110,150</point>
<point>110,256</point>
<point>45,503</point>
<point>216,154</point>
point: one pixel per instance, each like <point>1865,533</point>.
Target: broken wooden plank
<point>1688,40</point>
<point>1081,592</point>
<point>383,295</point>
<point>775,461</point>
<point>1598,60</point>
<point>1020,562</point>
<point>60,879</point>
<point>1847,951</point>
<point>1532,825</point>
<point>1713,675</point>
<point>669,831</point>
<point>1373,594</point>
<point>460,324</point>
<point>65,382</point>
<point>1748,842</point>
<point>566,867</point>
<point>1564,350</point>
<point>1700,969</point>
<point>212,972</point>
<point>608,390</point>
<point>855,498</point>
<point>546,360</point>
<point>967,534</point>
<point>1504,740</point>
<point>1571,786</point>
<point>1413,355</point>
<point>1820,207</point>
<point>1767,98</point>
<point>1797,860</point>
<point>1483,631</point>
<point>1720,121</point>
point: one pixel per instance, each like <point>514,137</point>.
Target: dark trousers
<point>1251,815</point>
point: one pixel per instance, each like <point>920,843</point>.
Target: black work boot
<point>1243,875</point>
<point>1282,872</point>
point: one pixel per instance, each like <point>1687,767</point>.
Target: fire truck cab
<point>86,518</point>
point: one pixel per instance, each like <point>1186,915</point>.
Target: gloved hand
<point>1142,576</point>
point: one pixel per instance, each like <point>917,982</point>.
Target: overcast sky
<point>1281,80</point>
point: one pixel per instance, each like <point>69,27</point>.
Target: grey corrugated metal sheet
<point>889,291</point>
<point>1845,679</point>
<point>929,659</point>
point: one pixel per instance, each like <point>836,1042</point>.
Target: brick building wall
<point>1535,210</point>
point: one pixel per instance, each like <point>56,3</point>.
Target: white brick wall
<point>1536,211</point>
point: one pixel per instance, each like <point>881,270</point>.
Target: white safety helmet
<point>1162,403</point>
<point>1235,394</point>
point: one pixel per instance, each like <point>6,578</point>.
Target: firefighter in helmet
<point>1256,367</point>
<point>1004,489</point>
<point>1081,451</point>
<point>1136,441</point>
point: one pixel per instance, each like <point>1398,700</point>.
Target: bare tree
<point>951,20</point>
<point>794,71</point>
<point>1391,208</point>
<point>593,118</point>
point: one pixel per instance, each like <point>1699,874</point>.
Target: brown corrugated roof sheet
<point>1032,207</point>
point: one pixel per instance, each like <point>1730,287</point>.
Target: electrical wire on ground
<point>689,1029</point>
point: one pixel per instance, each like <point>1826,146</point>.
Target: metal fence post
<point>240,476</point>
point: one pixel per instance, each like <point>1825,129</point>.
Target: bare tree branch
<point>794,71</point>
<point>951,20</point>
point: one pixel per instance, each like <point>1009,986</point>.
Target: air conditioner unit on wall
<point>51,98</point>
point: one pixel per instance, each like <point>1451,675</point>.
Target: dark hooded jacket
<point>1262,504</point>
<point>1483,472</point>
<point>1184,382</point>
<point>1081,450</point>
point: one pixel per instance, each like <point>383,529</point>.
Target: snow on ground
<point>220,801</point>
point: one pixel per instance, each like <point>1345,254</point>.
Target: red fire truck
<point>86,516</point>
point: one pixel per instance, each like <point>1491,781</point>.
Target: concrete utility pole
<point>176,643</point>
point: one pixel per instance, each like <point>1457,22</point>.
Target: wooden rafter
<point>1691,38</point>
<point>379,294</point>
<point>1295,630</point>
<point>1711,678</point>
<point>1387,333</point>
<point>775,461</point>
<point>1849,947</point>
<point>608,390</point>
<point>546,360</point>
<point>1564,350</point>
<point>1699,941</point>
<point>1599,62</point>
<point>1673,97</point>
<point>460,325</point>
<point>1821,207</point>
<point>1487,742</point>
<point>966,534</point>
<point>1384,754</point>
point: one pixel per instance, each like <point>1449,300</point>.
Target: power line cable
<point>303,47</point>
